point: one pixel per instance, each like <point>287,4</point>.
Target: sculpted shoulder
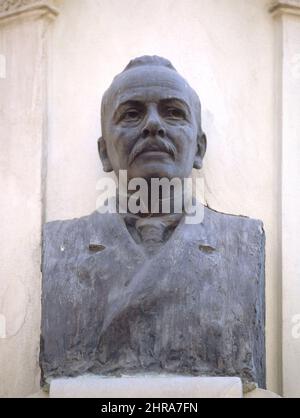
<point>78,226</point>
<point>223,224</point>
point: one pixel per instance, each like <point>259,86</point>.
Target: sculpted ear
<point>107,167</point>
<point>201,150</point>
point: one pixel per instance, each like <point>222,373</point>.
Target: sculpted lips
<point>152,149</point>
<point>160,147</point>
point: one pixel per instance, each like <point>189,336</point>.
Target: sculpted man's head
<point>151,122</point>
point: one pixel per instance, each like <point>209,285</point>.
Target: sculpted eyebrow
<point>176,102</point>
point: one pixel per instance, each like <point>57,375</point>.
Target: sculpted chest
<point>193,308</point>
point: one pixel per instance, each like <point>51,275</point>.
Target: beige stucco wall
<point>225,48</point>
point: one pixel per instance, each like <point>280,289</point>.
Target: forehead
<point>148,84</point>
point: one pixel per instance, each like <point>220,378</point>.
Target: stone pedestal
<point>161,387</point>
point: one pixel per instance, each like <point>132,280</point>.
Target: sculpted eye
<point>131,115</point>
<point>175,113</point>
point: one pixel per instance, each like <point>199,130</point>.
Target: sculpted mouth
<point>152,150</point>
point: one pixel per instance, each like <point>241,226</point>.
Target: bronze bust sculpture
<point>129,293</point>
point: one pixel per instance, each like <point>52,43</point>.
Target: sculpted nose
<point>153,126</point>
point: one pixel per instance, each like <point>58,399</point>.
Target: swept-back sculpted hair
<point>148,60</point>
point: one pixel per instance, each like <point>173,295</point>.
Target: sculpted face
<point>150,125</point>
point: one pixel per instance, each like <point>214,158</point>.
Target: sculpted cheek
<point>183,131</point>
<point>128,135</point>
<point>124,145</point>
<point>191,134</point>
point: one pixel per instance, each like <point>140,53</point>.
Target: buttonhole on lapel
<point>207,249</point>
<point>96,248</point>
